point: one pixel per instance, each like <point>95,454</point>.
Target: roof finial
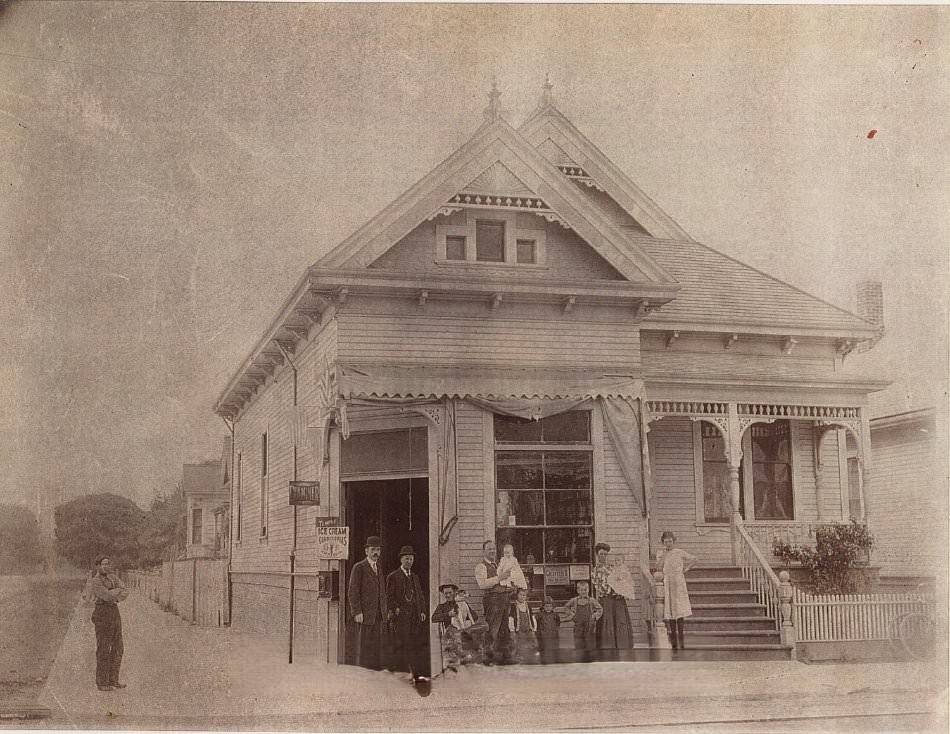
<point>493,111</point>
<point>546,97</point>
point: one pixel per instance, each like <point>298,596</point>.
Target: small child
<point>466,616</point>
<point>585,611</point>
<point>523,626</point>
<point>446,615</point>
<point>472,629</point>
<point>675,563</point>
<point>549,623</point>
<point>508,562</point>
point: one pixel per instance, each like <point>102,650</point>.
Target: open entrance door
<point>397,510</point>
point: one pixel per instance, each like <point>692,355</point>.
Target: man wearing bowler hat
<point>408,607</point>
<point>366,595</point>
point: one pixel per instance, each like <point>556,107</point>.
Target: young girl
<point>523,626</point>
<point>675,563</point>
<point>508,562</point>
<point>585,611</point>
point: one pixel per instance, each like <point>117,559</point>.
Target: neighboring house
<point>909,450</point>
<point>206,490</point>
<point>910,510</point>
<point>524,347</point>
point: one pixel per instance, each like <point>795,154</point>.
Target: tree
<point>163,529</point>
<point>99,524</point>
<point>20,545</point>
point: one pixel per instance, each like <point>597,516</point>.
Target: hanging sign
<point>305,493</point>
<point>556,575</point>
<point>580,573</point>
<point>333,542</point>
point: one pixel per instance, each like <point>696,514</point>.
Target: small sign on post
<point>305,493</point>
<point>333,542</point>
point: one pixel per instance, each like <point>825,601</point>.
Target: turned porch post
<point>865,463</point>
<point>734,462</point>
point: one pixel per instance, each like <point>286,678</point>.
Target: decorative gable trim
<point>494,143</point>
<point>548,124</point>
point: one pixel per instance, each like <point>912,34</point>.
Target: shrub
<point>837,550</point>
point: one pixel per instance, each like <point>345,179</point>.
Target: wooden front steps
<point>728,622</point>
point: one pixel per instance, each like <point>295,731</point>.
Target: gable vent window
<point>455,247</point>
<point>489,241</point>
<point>492,238</point>
<point>527,252</point>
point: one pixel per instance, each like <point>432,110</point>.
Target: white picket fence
<point>843,617</point>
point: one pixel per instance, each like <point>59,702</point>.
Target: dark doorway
<point>397,510</point>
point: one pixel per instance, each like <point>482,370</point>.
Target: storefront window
<point>544,498</point>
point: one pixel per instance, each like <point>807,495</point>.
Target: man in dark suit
<point>409,606</point>
<point>366,595</point>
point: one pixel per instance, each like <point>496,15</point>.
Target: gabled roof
<point>495,142</point>
<point>719,290</point>
<point>549,131</point>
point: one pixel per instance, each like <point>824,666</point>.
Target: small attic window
<point>455,247</point>
<point>489,241</point>
<point>491,238</point>
<point>527,252</point>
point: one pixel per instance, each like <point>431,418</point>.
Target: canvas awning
<point>434,382</point>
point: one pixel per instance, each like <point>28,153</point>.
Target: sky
<point>167,171</point>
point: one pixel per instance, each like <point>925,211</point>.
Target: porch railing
<point>853,617</point>
<point>775,593</point>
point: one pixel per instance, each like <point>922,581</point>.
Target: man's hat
<point>406,550</point>
<point>443,587</point>
<point>373,540</point>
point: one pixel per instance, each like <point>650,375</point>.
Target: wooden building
<point>206,490</point>
<point>524,347</point>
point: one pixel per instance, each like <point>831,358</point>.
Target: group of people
<point>514,632</point>
<point>390,611</point>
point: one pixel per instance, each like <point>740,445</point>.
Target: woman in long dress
<point>613,629</point>
<point>676,562</point>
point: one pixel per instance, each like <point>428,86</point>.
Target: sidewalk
<point>182,676</point>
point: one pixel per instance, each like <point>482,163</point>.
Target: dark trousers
<point>497,636</point>
<point>411,643</point>
<point>369,645</point>
<point>108,643</point>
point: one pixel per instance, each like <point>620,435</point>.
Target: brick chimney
<point>871,308</point>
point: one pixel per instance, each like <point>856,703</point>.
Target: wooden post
<point>786,597</point>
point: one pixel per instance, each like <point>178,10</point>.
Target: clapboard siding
<point>674,493</point>
<point>908,509</point>
<point>485,340</point>
<point>473,484</point>
<point>568,256</point>
<point>269,411</point>
<point>738,364</point>
<point>621,529</point>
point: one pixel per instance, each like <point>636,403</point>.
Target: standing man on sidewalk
<point>107,589</point>
<point>366,593</point>
<point>410,609</point>
<point>495,603</point>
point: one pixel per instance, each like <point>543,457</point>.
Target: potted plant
<point>838,550</point>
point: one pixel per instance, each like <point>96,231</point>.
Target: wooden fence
<point>195,589</point>
<point>845,617</point>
